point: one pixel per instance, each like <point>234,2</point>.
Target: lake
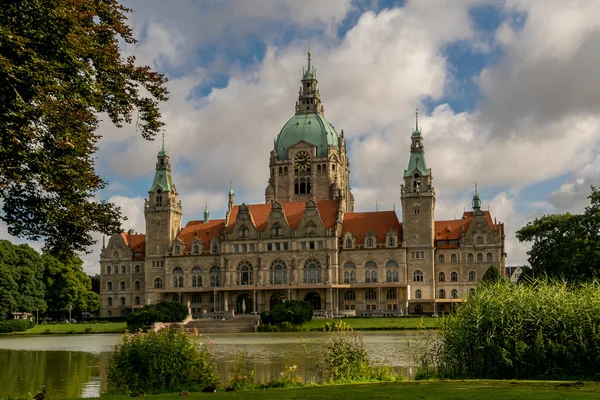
<point>73,365</point>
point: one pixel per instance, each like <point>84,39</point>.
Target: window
<point>278,273</point>
<point>196,249</point>
<point>108,269</point>
<point>441,259</point>
<point>442,277</point>
<point>479,240</point>
<point>489,257</point>
<point>123,269</point>
<point>137,300</point>
<point>472,276</point>
<point>417,254</point>
<point>349,295</point>
<point>320,244</point>
<point>197,299</point>
<point>177,250</point>
<point>269,246</point>
<point>391,242</point>
<point>348,243</point>
<point>137,285</point>
<point>454,276</point>
<point>137,269</point>
<point>312,271</point>
<point>454,294</point>
<point>369,242</point>
<point>303,245</point>
<point>109,301</point>
<point>215,248</point>
<point>418,294</point>
<point>453,259</point>
<point>442,294</point>
<point>245,273</point>
<point>236,248</point>
<point>159,194</point>
<point>196,277</point>
<point>115,254</point>
<point>418,276</point>
<point>122,301</point>
<point>479,257</point>
<point>368,276</point>
<point>392,294</point>
<point>158,283</point>
<point>244,248</point>
<point>122,285</point>
<point>371,294</point>
<point>177,277</point>
<point>470,258</point>
<point>215,276</point>
<point>417,211</point>
<point>349,272</point>
<point>109,286</point>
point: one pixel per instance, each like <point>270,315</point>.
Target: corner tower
<point>418,196</point>
<point>309,158</point>
<point>162,209</point>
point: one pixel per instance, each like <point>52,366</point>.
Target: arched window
<point>196,249</point>
<point>196,277</point>
<point>441,259</point>
<point>391,242</point>
<point>479,257</point>
<point>391,275</point>
<point>479,240</point>
<point>278,273</point>
<point>418,294</point>
<point>470,258</point>
<point>472,276</point>
<point>442,294</point>
<point>177,277</point>
<point>392,294</point>
<point>137,285</point>
<point>349,295</point>
<point>371,294</point>
<point>454,294</point>
<point>454,276</point>
<point>453,259</point>
<point>442,277</point>
<point>215,276</point>
<point>367,276</point>
<point>370,242</point>
<point>215,248</point>
<point>123,269</point>
<point>312,271</point>
<point>489,257</point>
<point>177,250</point>
<point>245,272</point>
<point>349,272</point>
<point>418,276</point>
<point>159,193</point>
<point>115,254</point>
<point>108,269</point>
<point>137,269</point>
<point>122,301</point>
<point>109,301</point>
<point>137,300</point>
<point>158,283</point>
<point>122,285</point>
<point>348,243</point>
<point>109,286</point>
<point>371,271</point>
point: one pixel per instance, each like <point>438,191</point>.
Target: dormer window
<point>370,242</point>
<point>348,243</point>
<point>479,240</point>
<point>177,250</point>
<point>196,249</point>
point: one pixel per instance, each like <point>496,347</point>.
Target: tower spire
<point>476,201</point>
<point>206,213</point>
<point>417,119</point>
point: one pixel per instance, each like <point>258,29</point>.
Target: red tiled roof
<point>138,241</point>
<point>379,222</point>
<point>452,229</point>
<point>205,232</point>
<point>293,212</point>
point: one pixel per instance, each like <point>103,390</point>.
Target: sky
<point>508,94</point>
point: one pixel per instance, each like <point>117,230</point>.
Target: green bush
<point>292,311</point>
<point>288,378</point>
<point>164,311</point>
<point>167,360</point>
<point>539,330</point>
<point>15,325</point>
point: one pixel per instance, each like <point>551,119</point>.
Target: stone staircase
<point>239,323</point>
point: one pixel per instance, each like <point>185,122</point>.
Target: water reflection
<point>73,365</point>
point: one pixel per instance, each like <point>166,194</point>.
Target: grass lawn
<point>435,390</point>
<point>101,327</point>
<point>371,324</point>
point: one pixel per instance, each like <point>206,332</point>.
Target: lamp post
<point>70,308</point>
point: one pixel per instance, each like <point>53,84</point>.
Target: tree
<point>492,275</point>
<point>565,246</point>
<point>60,70</point>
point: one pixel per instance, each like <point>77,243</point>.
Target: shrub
<point>540,330</point>
<point>164,311</point>
<point>292,311</point>
<point>243,377</point>
<point>15,325</point>
<point>288,378</point>
<point>167,360</point>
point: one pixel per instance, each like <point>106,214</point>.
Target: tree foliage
<point>492,275</point>
<point>565,246</point>
<point>164,311</point>
<point>61,68</point>
<point>293,311</point>
<point>67,286</point>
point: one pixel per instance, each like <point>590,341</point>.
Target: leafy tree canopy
<point>492,275</point>
<point>67,286</point>
<point>293,311</point>
<point>60,68</point>
<point>565,246</point>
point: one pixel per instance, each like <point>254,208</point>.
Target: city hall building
<point>306,241</point>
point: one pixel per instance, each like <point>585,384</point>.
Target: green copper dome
<point>312,128</point>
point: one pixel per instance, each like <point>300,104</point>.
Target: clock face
<point>302,160</point>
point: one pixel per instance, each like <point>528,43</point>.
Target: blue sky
<point>508,94</point>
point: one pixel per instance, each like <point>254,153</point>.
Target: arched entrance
<point>276,299</point>
<point>244,304</point>
<point>314,299</point>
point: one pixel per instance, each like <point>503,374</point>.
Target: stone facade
<point>306,242</point>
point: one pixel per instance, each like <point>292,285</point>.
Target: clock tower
<point>309,158</point>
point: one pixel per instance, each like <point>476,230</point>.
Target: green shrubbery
<point>167,360</point>
<point>539,330</point>
<point>292,311</point>
<point>15,325</point>
<point>164,311</point>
